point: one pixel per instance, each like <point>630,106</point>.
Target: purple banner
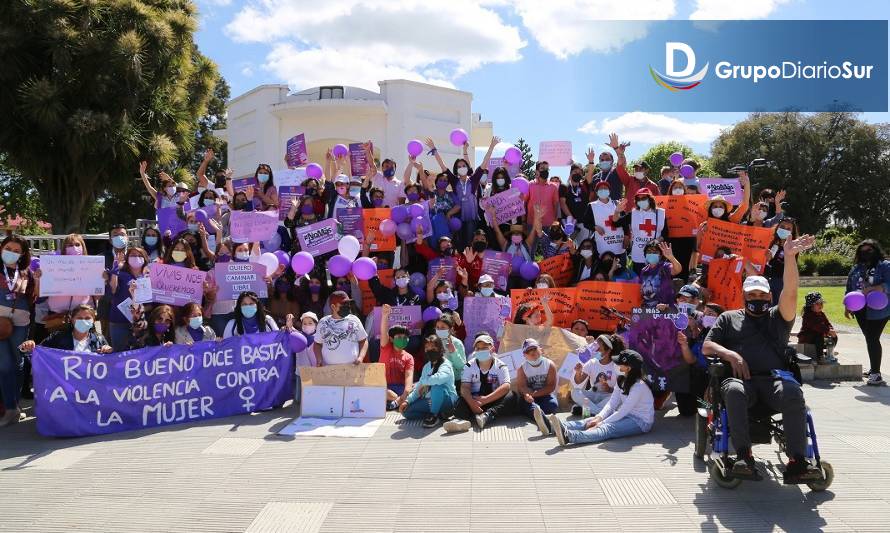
<point>409,316</point>
<point>654,335</point>
<point>233,278</point>
<point>447,264</point>
<point>253,226</point>
<point>176,285</point>
<point>241,184</point>
<point>295,150</point>
<point>351,221</point>
<point>497,265</point>
<point>358,160</point>
<point>168,220</point>
<point>287,193</point>
<point>319,238</point>
<point>78,394</point>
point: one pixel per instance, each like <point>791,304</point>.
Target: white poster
<point>364,402</point>
<point>337,427</point>
<point>322,401</point>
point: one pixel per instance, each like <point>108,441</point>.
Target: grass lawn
<point>834,305</point>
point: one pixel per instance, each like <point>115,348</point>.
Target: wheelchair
<point>765,425</point>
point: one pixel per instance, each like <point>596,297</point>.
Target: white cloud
<point>358,42</point>
<point>653,128</point>
<point>568,27</point>
<point>247,70</point>
<point>734,9</point>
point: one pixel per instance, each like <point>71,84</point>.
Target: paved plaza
<point>235,474</point>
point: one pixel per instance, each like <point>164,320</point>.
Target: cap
<point>485,278</point>
<point>309,314</point>
<point>339,297</point>
<point>756,283</point>
<point>690,291</point>
<point>181,186</point>
<point>602,184</point>
<point>605,340</point>
<point>484,338</point>
<point>630,358</point>
<point>342,178</point>
<point>642,164</point>
<point>813,298</point>
<point>528,344</point>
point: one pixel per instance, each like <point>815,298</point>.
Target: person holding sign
<point>191,327</point>
<point>533,315</point>
<point>265,197</point>
<point>656,277</point>
<point>80,336</point>
<point>485,393</point>
<point>434,396</point>
<point>250,316</point>
<point>120,283</point>
<point>647,222</point>
<point>17,294</point>
<point>399,363</point>
<point>157,330</point>
<point>535,385</point>
<point>166,196</point>
<point>594,381</point>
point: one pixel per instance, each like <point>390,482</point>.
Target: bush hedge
<point>827,264</point>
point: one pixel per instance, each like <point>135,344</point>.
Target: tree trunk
<point>66,208</point>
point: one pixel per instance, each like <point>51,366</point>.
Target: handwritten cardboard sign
<point>749,242</point>
<point>234,277</point>
<point>72,275</point>
<point>176,285</point>
<point>253,226</point>
<point>319,238</point>
<point>498,266</point>
<point>507,205</point>
<point>594,298</point>
<point>409,316</point>
<point>684,213</point>
<point>556,153</point>
<point>728,188</point>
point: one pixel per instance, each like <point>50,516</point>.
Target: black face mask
<point>557,235</point>
<point>433,356</point>
<point>576,177</point>
<point>867,256</point>
<point>544,174</point>
<point>448,251</point>
<point>310,192</point>
<point>757,307</point>
<point>479,246</point>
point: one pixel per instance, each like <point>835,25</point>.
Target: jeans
<point>872,330</point>
<point>782,396</point>
<point>120,336</point>
<point>496,409</point>
<point>598,400</point>
<point>624,427</point>
<point>440,402</point>
<point>548,405</point>
<point>11,376</point>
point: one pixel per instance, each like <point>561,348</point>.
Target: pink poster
<point>176,285</point>
<point>556,153</point>
<point>253,226</point>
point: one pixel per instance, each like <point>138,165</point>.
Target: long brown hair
<point>189,256</point>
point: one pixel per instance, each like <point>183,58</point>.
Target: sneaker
<point>392,405</point>
<point>11,417</point>
<point>744,467</point>
<point>559,430</point>
<point>875,379</point>
<point>481,420</point>
<point>867,373</point>
<point>430,421</point>
<point>577,410</point>
<point>799,471</point>
<point>538,415</point>
<point>456,426</point>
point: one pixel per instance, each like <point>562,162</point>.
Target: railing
<point>47,244</point>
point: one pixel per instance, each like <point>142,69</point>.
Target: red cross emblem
<point>611,224</point>
<point>648,227</point>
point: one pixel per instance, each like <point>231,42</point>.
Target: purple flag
<point>82,394</point>
<point>235,277</point>
<point>168,220</point>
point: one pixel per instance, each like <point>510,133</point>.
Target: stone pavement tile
<point>435,515</point>
<point>860,515</point>
<point>393,466</point>
<point>732,515</point>
<point>213,516</point>
<point>234,446</point>
<point>524,515</point>
<point>659,519</point>
<point>290,517</point>
<point>570,490</point>
<point>561,518</point>
<point>361,517</point>
<point>807,515</point>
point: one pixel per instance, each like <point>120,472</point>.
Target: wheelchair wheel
<point>702,435</point>
<point>827,474</point>
<point>720,479</point>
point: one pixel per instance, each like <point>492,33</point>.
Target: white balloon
<point>349,247</point>
<point>269,261</point>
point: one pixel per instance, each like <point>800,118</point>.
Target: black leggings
<point>872,330</point>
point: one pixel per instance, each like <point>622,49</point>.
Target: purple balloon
<point>297,341</point>
<point>35,264</point>
<point>340,150</point>
<point>517,263</point>
<point>417,280</point>
<point>454,223</point>
<point>854,301</point>
<point>201,217</point>
<point>431,313</point>
<point>387,227</point>
<point>313,170</point>
<point>399,214</point>
<point>339,265</point>
<point>458,137</point>
<point>521,184</point>
<point>676,159</point>
<point>876,300</point>
<point>302,263</point>
<point>415,210</point>
<point>283,258</point>
<point>529,270</point>
<point>687,171</point>
<point>420,291</point>
<point>513,155</point>
<point>415,148</point>
<point>364,268</point>
<point>404,231</point>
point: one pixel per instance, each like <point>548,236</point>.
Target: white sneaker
<point>456,426</point>
<point>875,379</point>
<point>538,415</point>
<point>11,417</point>
<point>559,430</point>
<point>481,420</point>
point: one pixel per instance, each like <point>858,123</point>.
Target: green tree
<point>90,88</point>
<point>18,198</point>
<point>834,166</point>
<point>659,156</point>
<point>528,160</point>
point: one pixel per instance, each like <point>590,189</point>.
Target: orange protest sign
<point>562,303</point>
<point>748,241</point>
<point>369,302</point>
<point>594,298</point>
<point>559,267</point>
<point>372,219</point>
<point>684,213</point>
<point>725,283</point>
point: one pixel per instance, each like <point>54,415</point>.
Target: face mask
<point>542,286</point>
<point>412,196</point>
<point>119,241</point>
<point>135,261</point>
<point>602,194</point>
<point>448,251</point>
<point>462,171</point>
<point>310,191</point>
<point>443,296</point>
<point>653,258</point>
<point>10,257</point>
<point>783,233</point>
<point>242,256</point>
<point>196,322</point>
<point>401,282</point>
<point>151,241</point>
<point>500,182</point>
<point>757,307</point>
<point>355,191</point>
<point>178,256</point>
<point>223,258</point>
<point>161,327</point>
<point>575,178</point>
<point>516,239</point>
<point>389,172</point>
<point>486,291</point>
<point>208,202</point>
<point>314,289</point>
<point>342,190</point>
<point>678,192</point>
<point>708,321</point>
<point>83,325</point>
<point>717,212</point>
<point>864,257</point>
<point>605,165</point>
<point>263,178</point>
<point>308,329</point>
<point>640,176</point>
<point>544,174</point>
<point>170,190</point>
<point>307,209</point>
<point>479,246</point>
<point>192,227</point>
<point>400,343</point>
<point>73,250</point>
<point>483,355</point>
<point>586,254</point>
<point>443,333</point>
<point>433,356</point>
<point>643,204</point>
<point>535,362</point>
<point>441,185</point>
<point>248,311</point>
<point>378,202</point>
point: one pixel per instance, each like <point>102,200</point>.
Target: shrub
<point>829,264</point>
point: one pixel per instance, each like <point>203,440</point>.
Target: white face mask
<point>402,282</point>
<point>718,212</point>
<point>243,256</point>
<point>640,175</point>
<point>678,192</point>
<point>462,171</point>
<point>170,191</point>
<point>308,329</point>
<point>500,182</point>
<point>586,254</point>
<point>542,286</point>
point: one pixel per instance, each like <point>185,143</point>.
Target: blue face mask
<point>9,257</point>
<point>605,165</point>
<point>192,227</point>
<point>486,291</point>
<point>652,258</point>
<point>355,191</point>
<point>483,355</point>
<point>603,194</point>
<point>119,241</point>
<point>196,322</point>
<point>151,240</point>
<point>208,202</point>
<point>443,333</point>
<point>248,311</point>
<point>83,325</point>
<point>783,233</point>
<point>263,178</point>
<point>390,172</point>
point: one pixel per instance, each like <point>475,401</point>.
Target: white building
<point>261,120</point>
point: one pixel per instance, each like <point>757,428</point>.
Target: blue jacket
<point>862,276</point>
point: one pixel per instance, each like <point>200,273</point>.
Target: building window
<point>330,93</point>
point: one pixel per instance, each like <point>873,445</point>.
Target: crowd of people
<point>440,375</point>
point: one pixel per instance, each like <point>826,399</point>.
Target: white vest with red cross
<point>644,226</point>
<point>613,238</point>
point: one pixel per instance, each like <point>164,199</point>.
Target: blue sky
<point>517,57</point>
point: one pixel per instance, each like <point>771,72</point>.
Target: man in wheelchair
<point>753,342</point>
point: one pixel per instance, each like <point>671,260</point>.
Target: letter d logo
<point>678,80</point>
<point>669,52</point>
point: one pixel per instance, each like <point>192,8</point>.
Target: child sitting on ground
<point>817,330</point>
